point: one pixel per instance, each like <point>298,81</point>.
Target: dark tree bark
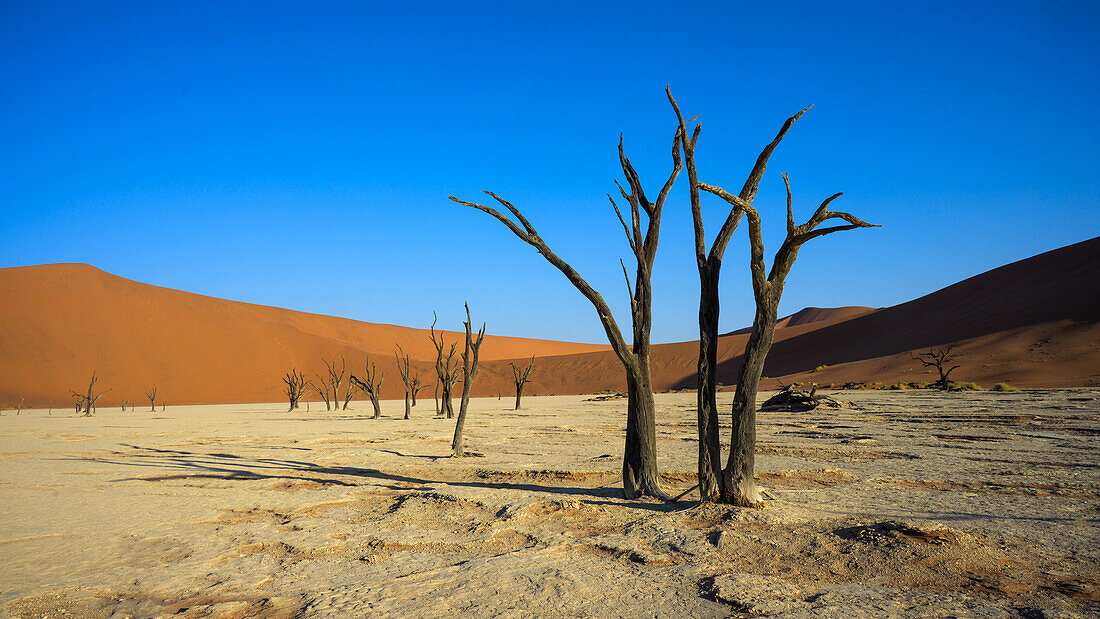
<point>296,386</point>
<point>738,485</point>
<point>446,370</point>
<point>469,372</point>
<point>520,377</point>
<point>152,395</point>
<point>372,385</point>
<point>939,358</point>
<point>709,264</point>
<point>640,451</point>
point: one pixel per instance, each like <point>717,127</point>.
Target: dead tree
<point>349,394</point>
<point>321,387</point>
<point>152,395</point>
<point>738,485</point>
<point>446,370</point>
<point>938,358</point>
<point>469,372</point>
<point>417,385</point>
<point>296,386</point>
<point>19,409</point>
<point>640,450</point>
<point>372,385</point>
<point>334,377</point>
<point>404,368</point>
<point>709,263</point>
<point>85,402</point>
<point>520,377</point>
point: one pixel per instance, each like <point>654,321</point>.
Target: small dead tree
<point>334,377</point>
<point>939,358</point>
<point>520,377</point>
<point>152,395</point>
<point>372,384</point>
<point>350,393</point>
<point>469,372</point>
<point>296,386</point>
<point>738,484</point>
<point>446,370</point>
<point>417,385</point>
<point>640,448</point>
<point>85,402</point>
<point>19,409</point>
<point>411,383</point>
<point>321,387</point>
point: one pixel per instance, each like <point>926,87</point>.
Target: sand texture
<point>899,504</point>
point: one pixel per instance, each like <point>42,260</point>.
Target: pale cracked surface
<point>903,503</point>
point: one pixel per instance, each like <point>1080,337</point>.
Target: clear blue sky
<point>301,154</point>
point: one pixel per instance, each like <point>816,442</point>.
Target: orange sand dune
<point>1035,322</point>
<point>59,322</point>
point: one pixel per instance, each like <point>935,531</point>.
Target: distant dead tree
<point>321,387</point>
<point>411,382</point>
<point>939,358</point>
<point>85,402</point>
<point>520,377</point>
<point>417,385</point>
<point>296,386</point>
<point>737,483</point>
<point>331,381</point>
<point>640,450</point>
<point>19,409</point>
<point>152,395</point>
<point>469,372</point>
<point>124,405</point>
<point>446,370</point>
<point>349,394</point>
<point>372,384</point>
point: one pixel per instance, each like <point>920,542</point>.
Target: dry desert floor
<point>908,503</point>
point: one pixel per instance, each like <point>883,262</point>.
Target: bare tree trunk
<point>469,372</point>
<point>519,395</point>
<point>710,453</point>
<point>408,409</point>
<point>640,454</point>
<point>739,483</point>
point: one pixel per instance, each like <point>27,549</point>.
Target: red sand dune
<point>1035,322</point>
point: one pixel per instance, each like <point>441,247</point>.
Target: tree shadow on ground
<point>231,467</point>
